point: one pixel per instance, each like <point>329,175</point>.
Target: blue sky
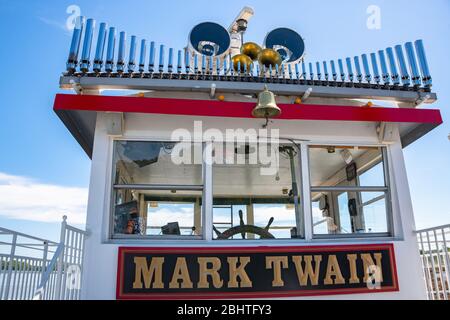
<point>39,155</point>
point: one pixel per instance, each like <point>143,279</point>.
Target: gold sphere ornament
<point>270,57</point>
<point>251,49</point>
<point>244,60</point>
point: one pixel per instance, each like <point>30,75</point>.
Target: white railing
<point>434,250</point>
<point>34,268</point>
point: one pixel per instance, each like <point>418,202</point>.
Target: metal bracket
<point>115,123</point>
<point>76,87</point>
<point>385,132</point>
<point>307,94</point>
<point>212,93</point>
<point>422,100</point>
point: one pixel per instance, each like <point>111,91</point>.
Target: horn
<point>376,71</point>
<point>109,65</point>
<point>86,53</point>
<point>384,69</point>
<point>101,41</point>
<point>142,56</point>
<point>132,55</point>
<point>72,61</point>
<point>415,76</point>
<point>251,49</point>
<point>267,106</point>
<point>402,63</point>
<point>423,63</point>
<point>121,56</point>
<point>393,65</point>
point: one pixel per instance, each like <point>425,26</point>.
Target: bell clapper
<point>267,123</point>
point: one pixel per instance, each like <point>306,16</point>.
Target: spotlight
<point>347,156</point>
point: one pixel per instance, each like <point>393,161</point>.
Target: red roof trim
<point>214,108</point>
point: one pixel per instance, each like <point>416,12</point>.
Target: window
<point>349,190</point>
<point>158,191</point>
<point>158,188</point>
<point>253,202</point>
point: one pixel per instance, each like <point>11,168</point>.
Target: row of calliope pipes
<point>252,60</point>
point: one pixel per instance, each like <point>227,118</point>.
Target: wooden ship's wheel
<point>243,229</point>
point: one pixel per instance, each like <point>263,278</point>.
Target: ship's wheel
<point>244,229</point>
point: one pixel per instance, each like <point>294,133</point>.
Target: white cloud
<point>23,198</point>
<point>281,215</point>
<point>162,216</point>
<point>55,24</point>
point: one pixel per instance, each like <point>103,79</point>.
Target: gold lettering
<point>236,272</point>
<point>333,269</point>
<point>353,272</point>
<point>213,272</point>
<point>276,263</point>
<point>308,272</point>
<point>368,262</point>
<point>154,272</point>
<point>181,272</point>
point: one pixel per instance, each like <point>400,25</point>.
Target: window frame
<point>297,144</point>
<point>387,190</point>
<point>149,187</point>
<point>305,206</point>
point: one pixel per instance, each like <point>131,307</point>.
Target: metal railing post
<point>447,260</point>
<point>44,264</point>
<point>61,260</point>
<point>436,261</point>
<point>10,267</point>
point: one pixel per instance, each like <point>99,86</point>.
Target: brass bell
<point>251,49</point>
<point>270,57</point>
<point>267,106</point>
<point>244,60</point>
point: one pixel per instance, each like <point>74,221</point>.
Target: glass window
<point>256,200</point>
<point>157,189</point>
<point>349,190</point>
<point>157,163</point>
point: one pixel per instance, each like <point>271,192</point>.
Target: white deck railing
<point>34,268</point>
<point>434,250</point>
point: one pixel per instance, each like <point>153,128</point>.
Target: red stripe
<point>214,108</point>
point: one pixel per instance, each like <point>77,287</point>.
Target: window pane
<point>267,203</point>
<point>157,213</point>
<point>374,176</point>
<point>354,166</point>
<point>349,213</point>
<point>284,215</point>
<point>157,163</point>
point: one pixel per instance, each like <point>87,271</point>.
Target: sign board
<point>258,272</point>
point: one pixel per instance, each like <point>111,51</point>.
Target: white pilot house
<point>232,169</point>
